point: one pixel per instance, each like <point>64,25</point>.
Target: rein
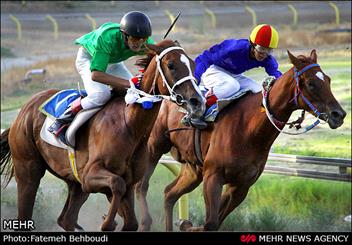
<point>279,124</point>
<point>167,132</point>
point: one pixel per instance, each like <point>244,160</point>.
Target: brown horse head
<point>314,90</point>
<point>173,76</point>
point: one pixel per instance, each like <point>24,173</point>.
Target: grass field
<point>274,203</point>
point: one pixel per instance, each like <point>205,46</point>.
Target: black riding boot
<point>60,125</point>
<point>196,123</point>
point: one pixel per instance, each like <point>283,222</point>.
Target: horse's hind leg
<point>99,179</point>
<point>28,173</point>
<point>69,215</point>
<point>189,178</point>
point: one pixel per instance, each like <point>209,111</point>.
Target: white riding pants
<point>97,93</point>
<point>225,84</point>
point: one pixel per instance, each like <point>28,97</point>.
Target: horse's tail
<point>6,166</point>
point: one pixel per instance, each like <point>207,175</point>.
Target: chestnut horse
<point>111,148</point>
<point>235,148</point>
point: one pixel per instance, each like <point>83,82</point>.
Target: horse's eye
<point>170,65</point>
<point>311,85</point>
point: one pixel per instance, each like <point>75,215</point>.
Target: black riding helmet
<point>136,24</point>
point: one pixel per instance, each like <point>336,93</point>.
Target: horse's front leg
<point>212,188</point>
<point>189,178</point>
<point>141,189</point>
<point>230,199</point>
<point>99,179</point>
<point>127,211</point>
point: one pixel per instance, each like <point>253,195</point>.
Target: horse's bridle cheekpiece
<point>177,98</point>
<point>277,123</point>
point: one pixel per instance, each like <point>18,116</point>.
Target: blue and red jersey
<point>233,56</point>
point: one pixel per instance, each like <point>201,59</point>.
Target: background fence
<point>198,15</point>
<point>341,171</point>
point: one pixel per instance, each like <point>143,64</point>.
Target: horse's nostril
<point>338,114</point>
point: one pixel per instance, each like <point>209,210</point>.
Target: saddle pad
<point>59,102</point>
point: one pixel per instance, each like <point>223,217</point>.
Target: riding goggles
<point>137,39</point>
<point>264,50</point>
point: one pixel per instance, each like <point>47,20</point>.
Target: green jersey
<point>106,45</point>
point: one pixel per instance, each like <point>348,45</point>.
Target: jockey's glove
<point>137,80</point>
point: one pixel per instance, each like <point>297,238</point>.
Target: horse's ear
<point>154,48</point>
<point>177,43</point>
<point>313,56</point>
<point>295,61</point>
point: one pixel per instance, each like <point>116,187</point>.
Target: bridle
<point>279,124</point>
<point>177,98</point>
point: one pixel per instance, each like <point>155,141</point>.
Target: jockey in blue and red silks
<point>220,68</point>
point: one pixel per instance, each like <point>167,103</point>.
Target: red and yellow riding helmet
<point>265,36</point>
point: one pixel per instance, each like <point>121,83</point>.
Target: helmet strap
<point>251,51</point>
<point>252,44</point>
<point>125,39</point>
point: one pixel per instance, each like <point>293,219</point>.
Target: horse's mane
<point>144,62</point>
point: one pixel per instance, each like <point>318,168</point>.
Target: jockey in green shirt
<point>100,63</point>
<point>107,45</point>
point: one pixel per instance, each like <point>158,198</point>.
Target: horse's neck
<point>142,120</point>
<point>280,97</point>
<point>280,106</point>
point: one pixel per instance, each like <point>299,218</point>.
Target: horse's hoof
<point>78,228</point>
<point>144,228</point>
<point>185,224</point>
<point>108,226</point>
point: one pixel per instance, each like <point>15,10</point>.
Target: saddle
<point>213,111</point>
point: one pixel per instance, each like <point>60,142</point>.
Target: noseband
<point>279,124</point>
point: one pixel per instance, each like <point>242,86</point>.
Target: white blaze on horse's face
<point>185,61</point>
<point>320,75</point>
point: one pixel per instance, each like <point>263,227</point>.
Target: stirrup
<point>55,127</point>
<point>57,131</point>
<point>62,137</point>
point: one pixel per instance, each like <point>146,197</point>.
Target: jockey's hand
<point>136,80</point>
<point>209,93</point>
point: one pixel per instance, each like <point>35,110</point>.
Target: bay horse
<point>236,146</point>
<point>111,148</point>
